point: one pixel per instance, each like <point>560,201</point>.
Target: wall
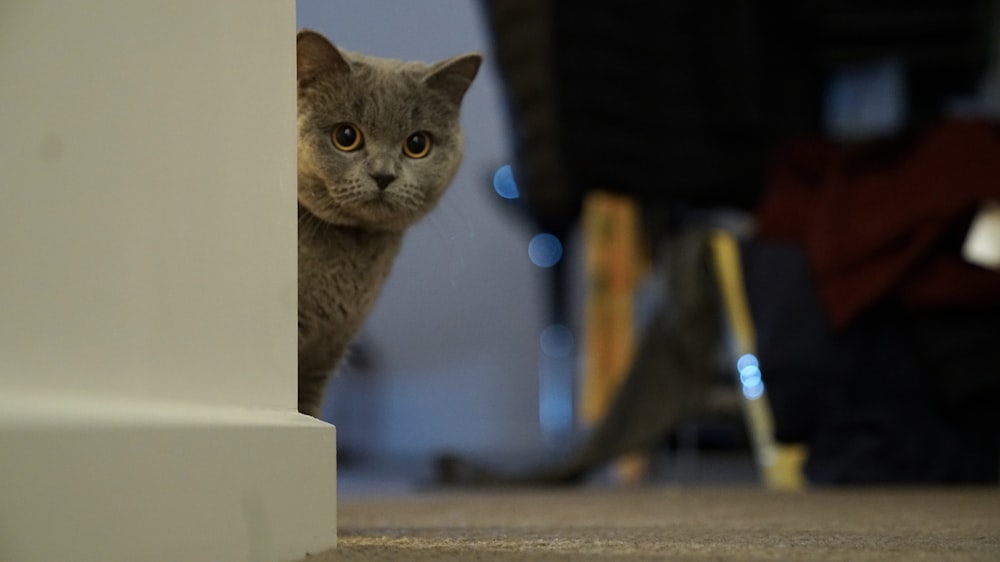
<point>147,287</point>
<point>141,247</point>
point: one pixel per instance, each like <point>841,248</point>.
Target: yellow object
<point>780,465</point>
<point>611,240</point>
<point>614,264</point>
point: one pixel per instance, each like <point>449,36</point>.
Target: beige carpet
<point>672,524</point>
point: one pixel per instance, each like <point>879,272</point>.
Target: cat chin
<point>370,216</point>
<point>387,219</point>
<point>382,212</point>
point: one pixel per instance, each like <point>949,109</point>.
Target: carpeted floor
<point>671,524</point>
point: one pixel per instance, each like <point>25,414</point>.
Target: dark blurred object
<point>683,101</point>
<point>887,220</point>
<point>879,339</point>
<point>901,395</point>
<point>682,104</point>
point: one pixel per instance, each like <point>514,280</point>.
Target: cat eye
<point>417,145</point>
<point>347,137</point>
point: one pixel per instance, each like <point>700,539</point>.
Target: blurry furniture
<point>877,336</point>
<point>682,105</point>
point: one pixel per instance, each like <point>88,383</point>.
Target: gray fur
<point>350,230</point>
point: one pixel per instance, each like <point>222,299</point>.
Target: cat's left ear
<point>453,76</point>
<point>316,56</point>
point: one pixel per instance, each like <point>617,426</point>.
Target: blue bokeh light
<point>750,378</point>
<point>504,184</point>
<point>753,392</point>
<point>556,341</point>
<point>545,250</point>
<point>750,375</point>
<point>746,361</point>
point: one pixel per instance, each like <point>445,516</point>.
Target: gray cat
<point>379,142</point>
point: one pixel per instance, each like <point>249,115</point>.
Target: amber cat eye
<point>417,145</point>
<point>347,137</point>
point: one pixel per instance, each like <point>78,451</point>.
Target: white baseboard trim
<point>109,481</point>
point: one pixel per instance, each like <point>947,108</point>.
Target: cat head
<point>379,139</point>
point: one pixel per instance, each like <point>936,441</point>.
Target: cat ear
<point>316,55</point>
<point>453,76</point>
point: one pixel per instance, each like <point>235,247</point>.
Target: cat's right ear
<point>316,56</point>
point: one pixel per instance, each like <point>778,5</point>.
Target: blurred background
<point>568,302</point>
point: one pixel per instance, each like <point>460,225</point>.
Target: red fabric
<point>880,222</point>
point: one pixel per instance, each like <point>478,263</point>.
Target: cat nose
<point>383,180</point>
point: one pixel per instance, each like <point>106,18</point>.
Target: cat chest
<point>341,278</point>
